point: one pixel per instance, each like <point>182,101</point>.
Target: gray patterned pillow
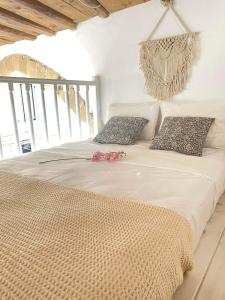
<point>183,134</point>
<point>121,130</point>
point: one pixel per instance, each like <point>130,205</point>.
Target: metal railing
<point>80,101</point>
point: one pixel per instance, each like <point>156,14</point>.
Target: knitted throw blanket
<point>63,243</point>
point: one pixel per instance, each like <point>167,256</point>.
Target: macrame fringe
<point>167,64</point>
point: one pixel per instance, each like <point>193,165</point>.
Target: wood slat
<point>214,284</point>
<point>38,13</point>
<point>203,256</point>
<point>96,5</point>
<point>112,5</point>
<point>5,41</point>
<point>44,112</point>
<point>57,111</point>
<point>16,22</point>
<point>88,117</point>
<point>71,11</point>
<point>68,111</point>
<point>78,112</point>
<point>81,8</point>
<point>1,148</point>
<point>14,35</point>
<point>14,119</point>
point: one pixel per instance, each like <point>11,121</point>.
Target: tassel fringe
<point>167,64</point>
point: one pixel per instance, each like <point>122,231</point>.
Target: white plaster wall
<point>109,47</point>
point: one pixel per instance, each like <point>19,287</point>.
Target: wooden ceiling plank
<point>97,6</point>
<point>16,22</point>
<point>5,41</point>
<point>38,13</point>
<point>81,8</point>
<point>66,9</point>
<point>12,34</point>
<point>25,19</point>
<point>102,12</point>
<point>113,6</point>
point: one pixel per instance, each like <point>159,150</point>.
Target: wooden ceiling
<point>26,19</point>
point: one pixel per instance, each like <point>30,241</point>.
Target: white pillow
<point>147,110</point>
<point>216,135</point>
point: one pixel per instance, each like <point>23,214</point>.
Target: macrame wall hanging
<point>167,62</point>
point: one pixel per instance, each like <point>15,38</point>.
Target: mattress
<point>190,186</point>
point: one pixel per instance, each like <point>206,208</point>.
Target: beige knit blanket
<point>63,243</point>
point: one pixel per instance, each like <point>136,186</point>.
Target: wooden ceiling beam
<point>76,12</point>
<point>16,22</point>
<point>5,41</point>
<point>98,7</point>
<point>38,13</point>
<point>113,6</point>
<point>14,35</point>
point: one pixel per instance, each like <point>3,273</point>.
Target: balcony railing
<point>37,113</point>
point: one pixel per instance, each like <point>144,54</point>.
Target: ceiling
<point>26,19</point>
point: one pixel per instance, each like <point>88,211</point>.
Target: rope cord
<point>170,7</point>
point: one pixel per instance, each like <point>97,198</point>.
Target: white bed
<point>188,185</point>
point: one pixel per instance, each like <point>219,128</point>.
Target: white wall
<point>109,47</point>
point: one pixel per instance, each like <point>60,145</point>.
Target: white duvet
<point>189,185</point>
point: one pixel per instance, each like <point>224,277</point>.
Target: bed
<point>149,176</point>
<point>189,186</point>
<point>127,229</point>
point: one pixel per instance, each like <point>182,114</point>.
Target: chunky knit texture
<point>63,243</point>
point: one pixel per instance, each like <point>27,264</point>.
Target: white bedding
<point>191,186</point>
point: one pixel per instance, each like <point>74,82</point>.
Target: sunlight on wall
<point>61,52</point>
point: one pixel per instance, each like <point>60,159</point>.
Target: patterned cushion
<point>146,110</point>
<point>121,130</point>
<point>183,134</point>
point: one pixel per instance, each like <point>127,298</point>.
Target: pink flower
<point>98,156</point>
<point>108,156</point>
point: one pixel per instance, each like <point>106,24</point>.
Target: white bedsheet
<point>191,186</point>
